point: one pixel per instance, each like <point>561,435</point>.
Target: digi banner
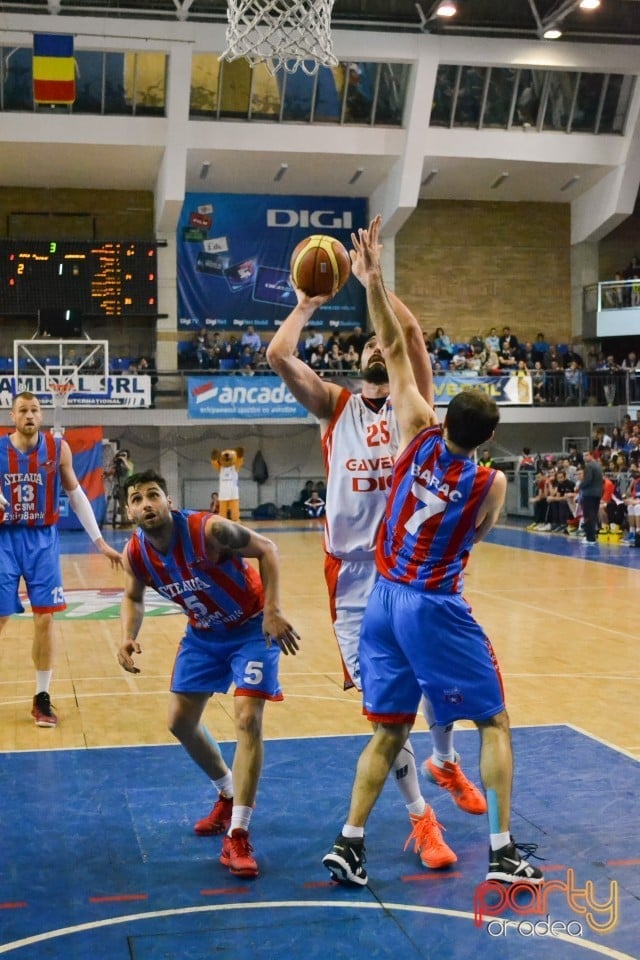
<point>243,398</point>
<point>504,390</point>
<point>233,259</point>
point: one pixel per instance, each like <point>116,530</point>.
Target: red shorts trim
<point>396,718</point>
<point>258,694</point>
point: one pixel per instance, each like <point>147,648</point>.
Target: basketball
<point>320,266</point>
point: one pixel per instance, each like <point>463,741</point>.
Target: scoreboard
<point>115,278</point>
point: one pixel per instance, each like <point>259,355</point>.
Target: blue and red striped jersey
<point>431,515</point>
<point>215,596</point>
<point>31,482</point>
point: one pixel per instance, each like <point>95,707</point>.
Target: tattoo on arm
<point>230,536</point>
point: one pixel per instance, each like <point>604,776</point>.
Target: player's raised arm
<point>412,410</point>
<point>318,396</point>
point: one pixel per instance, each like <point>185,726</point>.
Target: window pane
<point>114,92</point>
<point>561,87</point>
<point>298,95</point>
<point>18,78</point>
<point>329,93</point>
<point>265,96</point>
<point>469,97</point>
<point>499,96</point>
<point>235,85</point>
<point>528,99</point>
<point>88,81</point>
<point>616,104</point>
<point>589,90</point>
<point>205,71</point>
<point>392,93</point>
<point>361,85</point>
<point>151,78</point>
<point>443,96</point>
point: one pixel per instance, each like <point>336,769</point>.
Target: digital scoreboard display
<point>115,278</point>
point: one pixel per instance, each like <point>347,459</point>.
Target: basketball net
<point>283,34</point>
<point>59,391</point>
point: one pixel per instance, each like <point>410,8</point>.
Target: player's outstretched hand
<point>363,242</point>
<point>114,558</point>
<point>277,630</point>
<point>125,656</point>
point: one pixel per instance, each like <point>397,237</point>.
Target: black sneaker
<point>507,866</point>
<point>345,861</point>
<point>42,711</point>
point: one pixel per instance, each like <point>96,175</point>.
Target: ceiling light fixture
<point>429,177</point>
<point>500,180</point>
<point>589,4</point>
<point>357,175</point>
<point>204,169</point>
<point>552,33</point>
<point>571,182</point>
<point>446,9</point>
<point>281,172</point>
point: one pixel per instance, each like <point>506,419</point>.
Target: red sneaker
<point>237,854</point>
<point>218,820</point>
<point>450,777</point>
<point>42,711</point>
<point>428,841</point>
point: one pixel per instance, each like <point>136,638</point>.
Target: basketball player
<point>235,633</point>
<point>33,467</point>
<point>418,636</point>
<point>359,443</point>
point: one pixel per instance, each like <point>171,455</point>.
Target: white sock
<point>224,785</point>
<point>352,833</point>
<point>240,818</point>
<point>43,680</point>
<point>441,737</point>
<point>499,840</point>
<point>406,776</point>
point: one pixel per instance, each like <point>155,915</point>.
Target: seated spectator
<point>538,384</point>
<point>541,349</point>
<point>351,359</point>
<point>245,358</point>
<point>491,365</point>
<point>508,340</point>
<point>507,359</point>
<point>438,369</point>
<point>334,357</point>
<point>314,506</point>
<point>458,362</point>
<point>306,492</point>
<point>260,362</point>
<point>442,344</point>
<point>321,489</point>
<point>492,340</point>
<point>485,459</point>
<point>318,360</point>
<point>356,339</point>
<point>561,496</point>
<point>477,342</point>
<point>201,343</point>
<point>251,339</point>
<point>632,501</point>
<point>614,292</point>
<point>313,339</point>
<point>526,353</point>
<point>539,500</point>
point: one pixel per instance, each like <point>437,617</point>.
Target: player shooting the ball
<point>359,442</point>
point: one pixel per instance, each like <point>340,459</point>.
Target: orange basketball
<point>320,266</point>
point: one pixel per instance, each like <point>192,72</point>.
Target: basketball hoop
<point>59,391</point>
<point>283,34</point>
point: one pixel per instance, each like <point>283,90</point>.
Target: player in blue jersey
<point>418,635</point>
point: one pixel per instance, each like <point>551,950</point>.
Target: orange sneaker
<point>218,820</point>
<point>428,841</point>
<point>237,854</point>
<point>450,777</point>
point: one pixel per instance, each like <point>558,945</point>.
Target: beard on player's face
<point>375,372</point>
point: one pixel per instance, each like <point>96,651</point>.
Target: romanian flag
<point>54,70</point>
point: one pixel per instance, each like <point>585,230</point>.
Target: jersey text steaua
<point>215,596</point>
<point>31,482</point>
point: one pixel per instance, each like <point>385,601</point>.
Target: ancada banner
<point>233,259</point>
<point>243,398</point>
<point>504,390</point>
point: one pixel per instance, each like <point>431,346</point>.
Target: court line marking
<point>591,945</point>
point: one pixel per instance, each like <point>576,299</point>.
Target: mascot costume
<point>228,463</point>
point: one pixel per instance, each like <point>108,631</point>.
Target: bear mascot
<point>228,463</point>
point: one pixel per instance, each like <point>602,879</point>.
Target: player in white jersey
<point>359,441</point>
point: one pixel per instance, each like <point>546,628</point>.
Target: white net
<point>283,34</point>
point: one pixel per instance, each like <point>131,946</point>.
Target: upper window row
<point>135,84</point>
<point>502,97</point>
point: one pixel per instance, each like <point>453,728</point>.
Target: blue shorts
<point>415,643</point>
<point>209,662</point>
<point>33,553</point>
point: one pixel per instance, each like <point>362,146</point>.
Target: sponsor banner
<point>234,252</point>
<point>242,398</point>
<point>120,390</point>
<point>504,390</point>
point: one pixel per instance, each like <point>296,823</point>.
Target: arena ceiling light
<point>589,4</point>
<point>552,33</point>
<point>446,9</point>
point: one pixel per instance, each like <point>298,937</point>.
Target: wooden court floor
<point>564,627</point>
